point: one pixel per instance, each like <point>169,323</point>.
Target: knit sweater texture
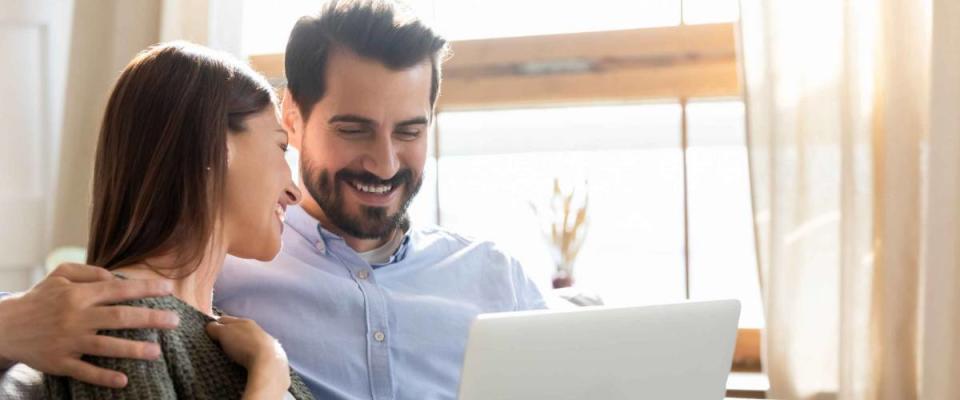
<point>193,366</point>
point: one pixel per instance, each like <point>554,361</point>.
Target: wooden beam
<point>746,355</point>
<point>687,61</point>
<point>713,79</point>
<point>705,40</point>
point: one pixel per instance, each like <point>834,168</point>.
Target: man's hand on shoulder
<point>52,325</point>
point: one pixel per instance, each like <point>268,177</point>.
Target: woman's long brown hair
<point>162,153</point>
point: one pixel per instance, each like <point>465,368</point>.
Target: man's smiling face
<point>364,145</point>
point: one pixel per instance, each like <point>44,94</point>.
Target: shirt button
<point>320,246</point>
<point>363,274</point>
<point>379,336</point>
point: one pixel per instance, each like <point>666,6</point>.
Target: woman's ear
<point>291,120</point>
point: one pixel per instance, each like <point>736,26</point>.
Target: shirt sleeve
<point>527,293</point>
<point>148,380</point>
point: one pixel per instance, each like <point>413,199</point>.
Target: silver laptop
<point>674,351</point>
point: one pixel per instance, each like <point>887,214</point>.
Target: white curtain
<point>854,117</point>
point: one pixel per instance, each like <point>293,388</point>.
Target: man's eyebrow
<point>350,118</point>
<point>281,131</point>
<point>413,121</point>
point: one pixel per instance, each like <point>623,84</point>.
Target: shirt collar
<point>306,225</point>
<point>400,253</point>
<point>310,228</point>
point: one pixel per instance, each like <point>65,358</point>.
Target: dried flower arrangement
<point>564,225</point>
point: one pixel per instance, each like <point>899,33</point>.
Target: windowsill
<point>747,385</point>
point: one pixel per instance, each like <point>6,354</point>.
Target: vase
<point>562,278</point>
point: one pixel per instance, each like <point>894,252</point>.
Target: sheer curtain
<point>853,123</point>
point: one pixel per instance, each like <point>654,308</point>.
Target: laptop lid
<point>671,351</point>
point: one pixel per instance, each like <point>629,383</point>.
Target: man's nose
<point>382,160</point>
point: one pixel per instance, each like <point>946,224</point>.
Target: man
<point>368,305</point>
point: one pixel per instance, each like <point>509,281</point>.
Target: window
<point>722,252</point>
<point>494,163</point>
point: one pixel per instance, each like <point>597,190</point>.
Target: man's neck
<point>359,245</point>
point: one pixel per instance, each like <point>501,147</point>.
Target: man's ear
<point>291,119</point>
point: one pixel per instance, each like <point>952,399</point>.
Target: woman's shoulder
<point>298,388</point>
<point>147,379</point>
<point>168,302</point>
<point>161,303</point>
<point>187,315</point>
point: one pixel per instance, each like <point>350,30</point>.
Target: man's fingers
<point>129,317</point>
<point>107,346</point>
<point>119,290</point>
<point>86,372</point>
<point>79,273</point>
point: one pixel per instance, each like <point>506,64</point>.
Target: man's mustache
<point>402,176</point>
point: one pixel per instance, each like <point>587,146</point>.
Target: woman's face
<point>258,188</point>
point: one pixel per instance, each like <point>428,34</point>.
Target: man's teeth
<point>373,188</point>
<point>280,213</point>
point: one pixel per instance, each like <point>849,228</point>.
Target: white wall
<point>34,43</point>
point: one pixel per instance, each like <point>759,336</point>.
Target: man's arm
<point>148,380</point>
<point>528,296</point>
<point>50,326</point>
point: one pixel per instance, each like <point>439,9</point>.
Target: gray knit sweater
<point>192,366</point>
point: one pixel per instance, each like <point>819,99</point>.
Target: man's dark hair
<point>376,29</point>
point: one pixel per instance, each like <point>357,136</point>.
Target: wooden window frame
<point>677,63</point>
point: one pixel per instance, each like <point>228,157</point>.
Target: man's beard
<point>373,222</point>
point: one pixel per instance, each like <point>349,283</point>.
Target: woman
<point>190,167</point>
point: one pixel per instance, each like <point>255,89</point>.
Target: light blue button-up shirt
<point>391,331</point>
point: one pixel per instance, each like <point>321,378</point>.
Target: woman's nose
<point>293,194</point>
